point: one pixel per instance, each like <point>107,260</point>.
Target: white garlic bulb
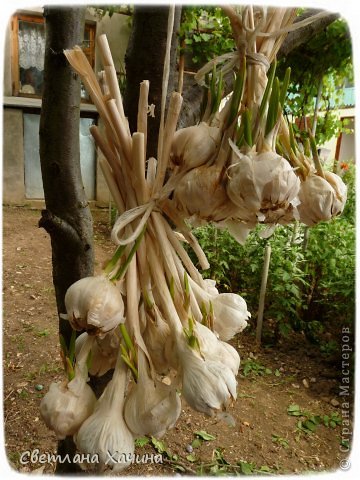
<point>202,193</point>
<point>213,348</point>
<point>151,407</point>
<point>103,352</point>
<point>67,404</point>
<point>158,339</point>
<point>207,385</point>
<point>194,146</point>
<point>105,432</point>
<point>230,315</point>
<point>260,184</point>
<point>321,198</point>
<point>94,304</point>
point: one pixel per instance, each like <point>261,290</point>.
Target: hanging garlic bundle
<point>151,313</point>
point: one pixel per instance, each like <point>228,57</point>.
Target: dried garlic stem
<point>114,190</point>
<point>158,276</point>
<point>166,248</point>
<point>107,61</point>
<point>169,130</point>
<point>125,143</point>
<point>138,162</point>
<point>143,111</point>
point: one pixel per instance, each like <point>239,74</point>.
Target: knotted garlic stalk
<point>105,432</point>
<point>68,403</point>
<point>94,304</point>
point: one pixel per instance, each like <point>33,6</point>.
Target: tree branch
<point>193,92</point>
<point>303,35</point>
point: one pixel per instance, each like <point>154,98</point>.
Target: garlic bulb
<point>259,184</point>
<point>321,198</point>
<point>103,352</point>
<point>230,311</point>
<point>67,404</point>
<point>94,304</point>
<point>201,193</point>
<point>230,315</point>
<point>213,348</point>
<point>207,385</point>
<point>151,407</point>
<point>156,337</point>
<point>105,432</point>
<point>194,146</point>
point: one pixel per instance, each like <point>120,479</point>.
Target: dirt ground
<point>265,437</point>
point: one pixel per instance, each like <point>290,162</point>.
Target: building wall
<point>347,150</point>
<point>117,30</point>
<point>13,157</point>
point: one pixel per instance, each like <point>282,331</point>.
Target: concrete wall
<point>13,157</point>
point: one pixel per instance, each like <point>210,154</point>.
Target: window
<point>29,52</point>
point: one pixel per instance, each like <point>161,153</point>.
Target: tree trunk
<point>67,217</point>
<point>145,60</point>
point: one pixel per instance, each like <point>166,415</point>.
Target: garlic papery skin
<point>105,432</point>
<point>213,348</point>
<point>151,407</point>
<point>230,315</point>
<point>103,352</point>
<point>258,183</point>
<point>230,311</point>
<point>201,194</point>
<point>94,304</point>
<point>67,404</point>
<point>194,146</point>
<point>321,200</point>
<point>158,339</point>
<point>207,385</point>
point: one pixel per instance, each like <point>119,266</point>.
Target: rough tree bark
<point>193,93</point>
<point>67,217</point>
<point>145,60</point>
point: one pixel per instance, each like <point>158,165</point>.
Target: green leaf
<point>309,425</point>
<point>142,441</point>
<point>204,435</point>
<point>277,373</point>
<point>191,457</point>
<point>159,446</point>
<point>196,443</point>
<point>246,468</point>
<point>72,346</point>
<point>293,409</point>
